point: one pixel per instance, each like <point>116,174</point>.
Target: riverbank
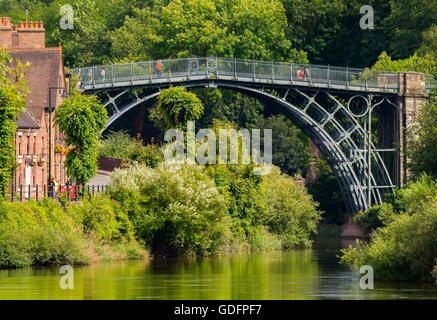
<point>170,210</point>
<point>403,241</point>
<point>46,233</point>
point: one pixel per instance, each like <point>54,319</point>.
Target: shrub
<point>103,217</point>
<point>290,210</point>
<point>120,145</point>
<point>174,208</point>
<point>405,249</point>
<point>45,233</point>
<point>406,200</point>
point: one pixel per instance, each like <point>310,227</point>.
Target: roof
<point>26,121</point>
<point>45,65</point>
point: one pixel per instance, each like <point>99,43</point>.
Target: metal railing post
<point>329,77</point>
<point>112,75</point>
<point>132,73</point>
<point>235,68</point>
<point>21,192</point>
<point>347,77</point>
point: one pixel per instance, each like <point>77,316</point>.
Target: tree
<point>82,117</point>
<point>230,28</point>
<point>12,104</point>
<point>429,43</point>
<point>178,106</point>
<point>407,20</point>
<point>291,147</point>
<point>425,64</point>
<point>326,191</point>
<point>422,151</point>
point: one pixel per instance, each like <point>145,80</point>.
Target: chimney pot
<point>21,25</point>
<point>41,24</point>
<point>31,24</point>
<point>15,27</point>
<point>35,24</point>
<point>25,24</point>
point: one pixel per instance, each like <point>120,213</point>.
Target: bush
<point>120,145</point>
<point>174,208</point>
<point>241,191</point>
<point>406,200</point>
<point>405,247</point>
<point>45,233</point>
<point>103,217</point>
<point>291,212</point>
<point>42,245</point>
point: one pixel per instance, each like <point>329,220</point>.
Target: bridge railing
<point>249,70</point>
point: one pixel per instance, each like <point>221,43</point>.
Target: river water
<point>294,274</point>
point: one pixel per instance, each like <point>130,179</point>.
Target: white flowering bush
<point>175,208</point>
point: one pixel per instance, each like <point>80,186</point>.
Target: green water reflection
<point>295,274</point>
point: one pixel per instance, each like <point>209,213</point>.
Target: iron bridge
<point>332,105</point>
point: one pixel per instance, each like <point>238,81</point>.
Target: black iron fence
<point>37,192</point>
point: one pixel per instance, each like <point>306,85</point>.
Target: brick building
<point>26,42</point>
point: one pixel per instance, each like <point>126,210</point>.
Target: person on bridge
<point>299,74</point>
<point>307,74</point>
<point>103,74</point>
<point>159,68</point>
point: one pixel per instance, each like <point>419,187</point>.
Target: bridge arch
<point>336,143</point>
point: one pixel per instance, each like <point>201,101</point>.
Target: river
<point>294,274</point>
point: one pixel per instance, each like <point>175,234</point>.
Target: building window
<point>42,146</point>
<point>34,145</point>
<point>19,144</point>
<point>33,176</point>
<point>42,177</point>
<point>27,145</point>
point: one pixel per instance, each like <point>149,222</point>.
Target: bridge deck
<point>245,71</point>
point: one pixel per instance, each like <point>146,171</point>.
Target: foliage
<point>241,191</point>
<point>104,218</point>
<point>407,21</point>
<point>81,117</point>
<point>120,145</point>
<point>178,106</point>
<point>405,249</point>
<point>174,208</point>
<point>324,188</point>
<point>406,200</point>
<point>422,139</point>
<point>291,212</point>
<point>403,242</point>
<point>44,233</point>
<point>425,64</point>
<point>12,104</point>
<point>182,28</point>
<point>429,43</point>
<point>291,147</point>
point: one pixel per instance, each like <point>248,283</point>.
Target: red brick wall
<point>31,38</point>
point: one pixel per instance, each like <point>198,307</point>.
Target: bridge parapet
<point>249,71</point>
